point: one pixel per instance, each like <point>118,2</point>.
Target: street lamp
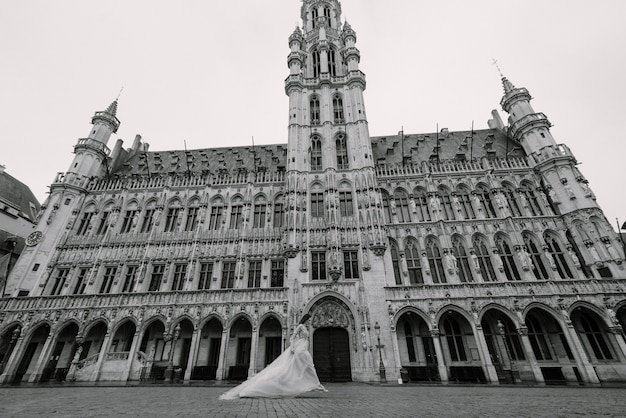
<point>381,369</point>
<point>14,336</point>
<point>512,365</point>
<point>169,371</point>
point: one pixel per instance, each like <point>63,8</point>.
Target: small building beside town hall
<point>475,256</point>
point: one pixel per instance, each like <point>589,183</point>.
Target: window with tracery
<point>462,259</point>
<point>454,338</point>
<point>465,203</point>
<point>412,255</point>
<point>555,249</point>
<point>402,206</point>
<point>395,262</point>
<point>337,106</point>
<point>511,198</point>
<point>531,197</point>
<point>342,152</point>
<point>484,260</point>
<point>508,261</point>
<point>539,270</point>
<point>421,205</point>
<point>314,107</point>
<point>316,154</point>
<point>446,203</point>
<point>485,201</point>
<point>435,261</point>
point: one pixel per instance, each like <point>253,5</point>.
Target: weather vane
<point>495,62</point>
<point>118,94</point>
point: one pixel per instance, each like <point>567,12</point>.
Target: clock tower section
<point>58,214</point>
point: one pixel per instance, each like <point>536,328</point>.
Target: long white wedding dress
<point>291,374</point>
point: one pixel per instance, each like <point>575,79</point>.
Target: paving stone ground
<point>342,400</point>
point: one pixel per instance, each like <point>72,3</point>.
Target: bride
<point>291,374</point>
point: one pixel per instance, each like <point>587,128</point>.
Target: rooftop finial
<point>495,63</point>
<point>506,84</point>
<point>118,94</point>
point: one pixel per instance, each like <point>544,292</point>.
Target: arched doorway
<point>270,342</point>
<point>331,319</point>
<point>504,345</point>
<point>62,354</point>
<point>32,351</point>
<point>239,346</point>
<point>416,348</point>
<point>153,347</point>
<point>460,349</point>
<point>209,351</point>
<point>7,344</point>
<point>182,347</point>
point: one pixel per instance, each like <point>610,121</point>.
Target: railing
<point>506,289</point>
<point>274,294</point>
<point>516,129</point>
<point>113,356</point>
<point>88,361</point>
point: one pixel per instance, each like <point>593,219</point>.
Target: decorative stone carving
<point>330,314</point>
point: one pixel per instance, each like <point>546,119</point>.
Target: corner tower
<point>58,214</point>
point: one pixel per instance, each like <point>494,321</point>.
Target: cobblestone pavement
<point>342,400</point>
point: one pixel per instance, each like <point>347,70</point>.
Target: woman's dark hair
<point>304,319</point>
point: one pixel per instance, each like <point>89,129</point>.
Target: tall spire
<point>112,109</point>
<point>507,85</point>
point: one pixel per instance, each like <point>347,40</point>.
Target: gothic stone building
<point>451,256</point>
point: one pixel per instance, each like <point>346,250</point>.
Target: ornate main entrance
<point>331,354</point>
<point>331,322</point>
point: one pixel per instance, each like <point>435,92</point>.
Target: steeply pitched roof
<point>16,198</point>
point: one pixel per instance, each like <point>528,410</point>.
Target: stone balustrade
<point>113,356</point>
<point>130,300</point>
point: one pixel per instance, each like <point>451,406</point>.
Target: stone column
<point>44,357</point>
<point>101,356</point>
<point>131,357</point>
<point>219,375</point>
<point>441,364</point>
<point>253,351</point>
<point>396,350</point>
<point>530,355</point>
<point>488,367</point>
<point>193,353</point>
<point>587,371</point>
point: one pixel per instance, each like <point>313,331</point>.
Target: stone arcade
<point>451,256</point>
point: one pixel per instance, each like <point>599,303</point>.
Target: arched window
<point>260,213</point>
<point>446,203</point>
<point>192,215</point>
<point>337,106</point>
<point>217,212</point>
<point>508,261</point>
<point>465,203</point>
<point>463,262</point>
<point>236,213</point>
<point>412,255</point>
<point>484,197</point>
<point>346,206</point>
<point>434,261</point>
<point>85,221</point>
<point>327,16</point>
<point>103,226</point>
<point>572,243</point>
<point>174,211</point>
<point>342,152</point>
<point>539,270</point>
<point>317,63</point>
<point>386,206</point>
<point>402,206</point>
<point>314,16</point>
<point>279,212</point>
<point>316,153</point>
<point>395,261</point>
<point>559,258</point>
<point>511,197</point>
<point>332,68</point>
<point>533,204</point>
<point>538,339</point>
<point>454,338</point>
<point>595,337</point>
<point>421,205</point>
<point>484,260</point>
<point>314,105</point>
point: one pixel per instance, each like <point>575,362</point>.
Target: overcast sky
<point>212,74</point>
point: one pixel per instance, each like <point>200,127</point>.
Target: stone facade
<point>476,256</point>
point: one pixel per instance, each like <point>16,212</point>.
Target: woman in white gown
<point>291,374</point>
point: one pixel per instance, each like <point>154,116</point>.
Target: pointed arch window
<point>327,16</point>
<point>104,221</point>
<point>484,260</point>
<point>595,337</point>
<point>421,205</point>
<point>332,68</point>
<point>342,152</point>
<point>434,261</point>
<point>314,16</point>
<point>314,105</point>
<point>192,216</point>
<point>446,203</point>
<point>386,206</point>
<point>412,256</point>
<point>533,203</point>
<point>539,270</point>
<point>465,203</point>
<point>511,197</point>
<point>260,213</point>
<point>454,338</point>
<point>485,201</point>
<point>279,213</point>
<point>463,262</point>
<point>316,154</point>
<point>171,217</point>
<point>236,214</point>
<point>395,262</point>
<point>346,207</point>
<point>554,247</point>
<point>217,210</point>
<point>538,339</point>
<point>402,206</point>
<point>337,104</point>
<point>317,63</point>
<point>576,249</point>
<point>508,261</point>
<point>85,221</point>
